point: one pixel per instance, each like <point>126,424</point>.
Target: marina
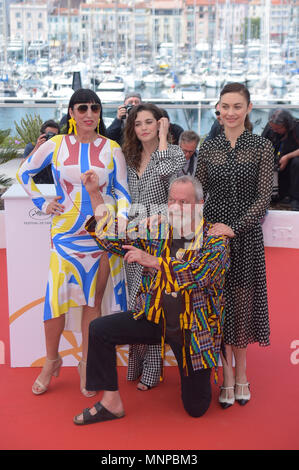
<point>183,71</point>
<point>45,85</point>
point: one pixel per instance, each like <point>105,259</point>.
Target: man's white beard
<point>185,220</point>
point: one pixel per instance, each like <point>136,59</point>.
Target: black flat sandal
<point>102,415</point>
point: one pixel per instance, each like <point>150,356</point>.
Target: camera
<point>128,108</point>
<point>49,135</point>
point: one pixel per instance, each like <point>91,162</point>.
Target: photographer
<point>116,129</point>
<point>48,130</point>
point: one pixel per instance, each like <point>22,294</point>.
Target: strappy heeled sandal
<point>242,398</point>
<point>226,402</point>
<point>54,366</point>
<point>82,373</point>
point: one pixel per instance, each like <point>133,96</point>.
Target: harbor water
<point>188,114</point>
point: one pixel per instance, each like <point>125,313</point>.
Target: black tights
<point>107,332</point>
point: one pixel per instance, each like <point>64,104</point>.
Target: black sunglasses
<point>82,108</point>
<point>217,113</point>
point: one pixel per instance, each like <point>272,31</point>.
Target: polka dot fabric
<point>237,184</point>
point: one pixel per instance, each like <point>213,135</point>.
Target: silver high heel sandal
<point>226,402</point>
<point>242,398</point>
<point>82,373</point>
<point>54,366</point>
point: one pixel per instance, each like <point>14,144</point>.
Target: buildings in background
<point>114,28</point>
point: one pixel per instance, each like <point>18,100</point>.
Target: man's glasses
<point>217,113</point>
<point>82,108</point>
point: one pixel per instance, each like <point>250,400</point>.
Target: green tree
<point>8,151</point>
<point>28,130</point>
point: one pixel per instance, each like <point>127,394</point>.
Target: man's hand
<point>221,230</point>
<point>134,255</point>
<point>121,112</point>
<point>283,162</point>
<point>91,181</point>
<point>41,140</point>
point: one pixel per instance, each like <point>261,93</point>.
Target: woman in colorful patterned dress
<point>236,171</point>
<point>152,162</point>
<point>74,275</point>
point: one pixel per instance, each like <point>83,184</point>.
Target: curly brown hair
<point>132,147</point>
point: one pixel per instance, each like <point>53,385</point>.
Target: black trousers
<point>107,332</point>
<point>288,180</point>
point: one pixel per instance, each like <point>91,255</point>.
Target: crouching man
<point>180,299</point>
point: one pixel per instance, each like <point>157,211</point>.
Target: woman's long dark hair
<point>132,147</point>
<point>236,87</point>
<point>84,95</point>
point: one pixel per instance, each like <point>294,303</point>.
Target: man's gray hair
<point>190,179</point>
<point>189,136</point>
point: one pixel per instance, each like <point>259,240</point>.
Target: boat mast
<point>153,34</point>
<point>115,48</point>
<point>69,33</point>
<point>133,38</point>
<point>4,13</point>
<point>194,36</point>
<point>266,42</point>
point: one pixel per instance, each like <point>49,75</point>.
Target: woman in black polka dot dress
<point>236,170</point>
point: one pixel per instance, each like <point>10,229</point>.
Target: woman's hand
<point>163,133</point>
<point>221,230</point>
<point>54,207</point>
<point>134,255</point>
<point>91,181</point>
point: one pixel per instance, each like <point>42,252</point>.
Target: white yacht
<point>213,81</point>
<point>112,89</point>
<point>153,80</point>
<point>61,87</point>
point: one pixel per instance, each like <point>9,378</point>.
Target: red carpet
<point>156,419</point>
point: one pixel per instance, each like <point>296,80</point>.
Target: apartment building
<point>29,21</point>
<point>64,29</point>
<point>119,26</point>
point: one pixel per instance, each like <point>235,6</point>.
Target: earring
<point>98,126</point>
<point>72,126</point>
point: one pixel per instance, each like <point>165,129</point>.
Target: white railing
<point>195,113</point>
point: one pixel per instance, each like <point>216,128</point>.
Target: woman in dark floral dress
<point>236,171</point>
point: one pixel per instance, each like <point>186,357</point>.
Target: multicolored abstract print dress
<point>75,255</point>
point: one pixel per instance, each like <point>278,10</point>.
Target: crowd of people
<point>182,221</point>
